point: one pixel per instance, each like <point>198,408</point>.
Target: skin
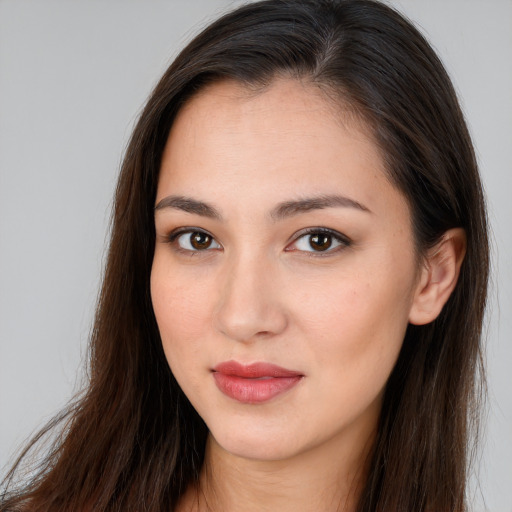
<point>260,292</point>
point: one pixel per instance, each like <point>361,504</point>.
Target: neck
<point>327,478</point>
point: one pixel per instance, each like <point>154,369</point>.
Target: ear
<point>438,277</point>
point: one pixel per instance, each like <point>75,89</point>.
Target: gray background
<point>73,76</point>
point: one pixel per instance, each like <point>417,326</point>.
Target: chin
<point>263,446</point>
<point>258,450</point>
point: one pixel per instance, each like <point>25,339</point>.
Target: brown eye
<point>194,241</point>
<point>320,241</point>
<point>200,240</point>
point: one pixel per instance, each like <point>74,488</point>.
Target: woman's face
<point>284,270</point>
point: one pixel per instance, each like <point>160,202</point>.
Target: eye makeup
<point>313,241</point>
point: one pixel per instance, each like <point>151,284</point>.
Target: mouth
<point>254,383</point>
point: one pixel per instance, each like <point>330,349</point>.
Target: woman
<point>292,305</point>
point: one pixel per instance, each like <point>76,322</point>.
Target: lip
<point>254,383</point>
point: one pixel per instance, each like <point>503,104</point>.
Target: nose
<point>250,305</point>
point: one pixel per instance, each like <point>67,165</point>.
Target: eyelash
<point>343,241</point>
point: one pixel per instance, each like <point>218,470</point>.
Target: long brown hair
<point>132,441</point>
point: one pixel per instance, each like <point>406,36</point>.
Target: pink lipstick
<point>254,383</point>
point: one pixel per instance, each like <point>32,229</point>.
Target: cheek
<point>354,335</point>
<point>180,308</point>
<point>356,323</point>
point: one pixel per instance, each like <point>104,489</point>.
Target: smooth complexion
<point>280,241</point>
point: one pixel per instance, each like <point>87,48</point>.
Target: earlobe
<point>438,277</point>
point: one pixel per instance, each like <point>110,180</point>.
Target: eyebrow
<point>290,208</point>
<point>281,211</point>
<point>189,205</point>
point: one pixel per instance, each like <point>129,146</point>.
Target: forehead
<point>287,139</point>
<point>239,105</point>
